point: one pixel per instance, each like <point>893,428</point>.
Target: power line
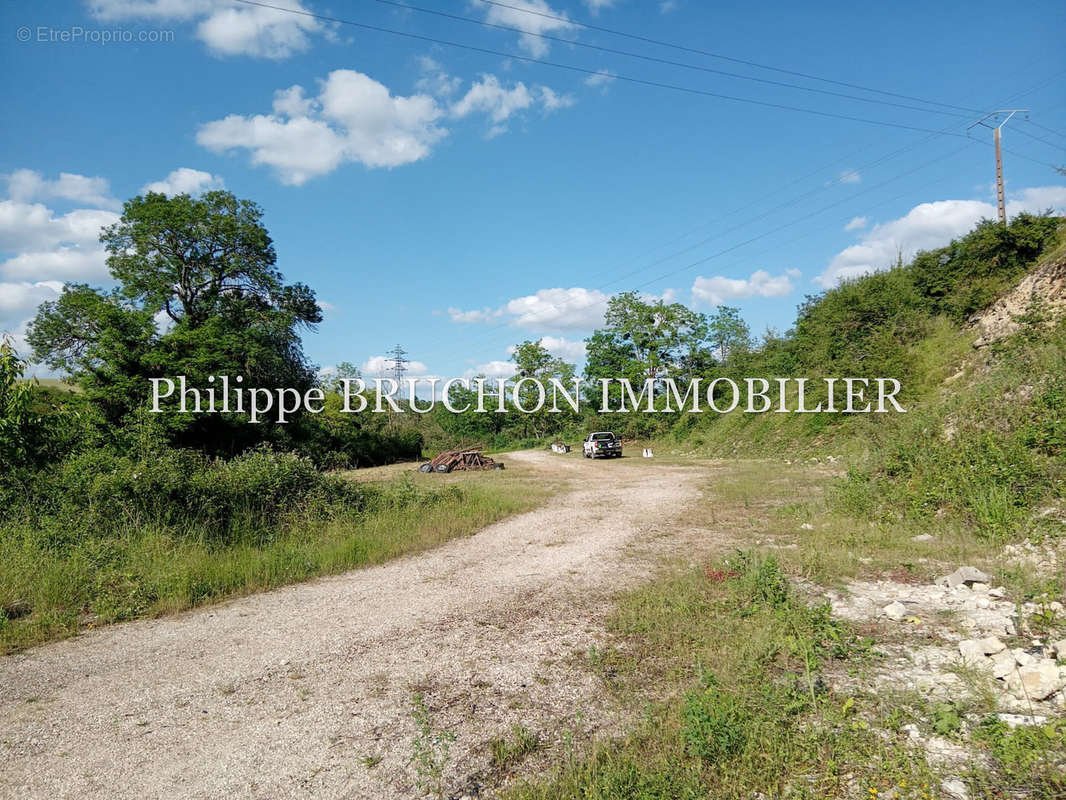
<point>865,210</point>
<point>657,60</point>
<point>710,54</point>
<point>674,87</point>
<point>1014,97</point>
<point>805,217</point>
<point>585,71</point>
<point>1045,128</point>
<point>780,207</point>
<point>1036,138</point>
<point>769,232</point>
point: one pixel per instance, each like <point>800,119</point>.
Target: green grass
<point>51,589</point>
<point>742,661</point>
<point>740,675</point>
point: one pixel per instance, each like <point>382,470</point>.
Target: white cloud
<point>849,176</point>
<point>717,290</point>
<point>666,6</point>
<point>226,29</point>
<point>65,263</point>
<point>47,247</point>
<point>184,181</point>
<point>928,226</point>
<point>555,310</point>
<point>488,96</point>
<point>26,185</point>
<point>476,315</point>
<point>435,80</point>
<point>353,118</point>
<point>492,369</point>
<point>26,226</point>
<point>559,309</point>
<point>857,223</point>
<point>19,301</point>
<point>381,366</point>
<point>600,79</point>
<point>566,349</point>
<point>40,251</point>
<point>550,100</point>
<point>533,17</point>
<point>596,5</point>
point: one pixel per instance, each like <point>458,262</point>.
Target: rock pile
<point>959,623</point>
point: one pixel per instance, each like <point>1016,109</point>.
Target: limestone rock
<point>1014,720</point>
<point>1003,664</point>
<point>955,789</point>
<point>895,610</point>
<point>964,576</point>
<point>971,651</point>
<point>1041,680</point>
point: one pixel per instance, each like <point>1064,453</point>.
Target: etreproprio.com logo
<point>76,34</point>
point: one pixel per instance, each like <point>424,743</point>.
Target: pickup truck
<point>602,443</point>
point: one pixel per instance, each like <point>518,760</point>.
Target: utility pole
<point>997,137</point>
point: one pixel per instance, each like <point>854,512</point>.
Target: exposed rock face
<point>1046,285</point>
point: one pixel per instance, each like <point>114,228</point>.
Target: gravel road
<point>306,691</point>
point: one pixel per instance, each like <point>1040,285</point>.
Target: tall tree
<point>532,360</point>
<point>198,294</point>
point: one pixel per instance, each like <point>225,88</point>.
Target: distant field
<point>59,385</point>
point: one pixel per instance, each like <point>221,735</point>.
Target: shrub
<point>216,499</point>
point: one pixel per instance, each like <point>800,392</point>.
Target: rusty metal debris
<point>456,460</point>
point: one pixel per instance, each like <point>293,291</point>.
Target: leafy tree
<point>645,339</point>
<point>532,360</point>
<point>192,259</point>
<point>199,294</point>
<point>728,334</point>
<point>470,427</point>
<point>345,370</point>
<point>16,417</point>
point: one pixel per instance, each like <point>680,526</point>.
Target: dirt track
<point>288,693</point>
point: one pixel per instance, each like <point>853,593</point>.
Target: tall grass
<point>988,450</point>
<point>105,550</point>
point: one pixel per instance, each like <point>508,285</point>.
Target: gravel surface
<point>306,691</point>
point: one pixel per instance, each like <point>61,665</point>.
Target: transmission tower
<point>398,362</point>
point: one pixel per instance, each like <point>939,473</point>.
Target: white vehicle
<point>602,443</point>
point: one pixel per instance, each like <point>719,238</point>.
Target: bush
<point>181,489</point>
<point>974,270</point>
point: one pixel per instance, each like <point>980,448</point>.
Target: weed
<point>431,750</point>
<point>508,752</point>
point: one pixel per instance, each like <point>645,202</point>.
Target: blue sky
<point>458,202</point>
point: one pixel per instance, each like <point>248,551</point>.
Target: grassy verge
<point>750,688</point>
<point>52,585</point>
<point>749,710</point>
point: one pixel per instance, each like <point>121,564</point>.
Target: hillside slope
<point>984,436</point>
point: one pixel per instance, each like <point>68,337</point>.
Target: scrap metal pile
<point>455,460</point>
